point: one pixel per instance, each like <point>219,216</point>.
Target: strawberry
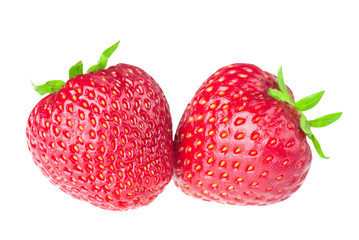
<point>242,139</point>
<point>105,136</point>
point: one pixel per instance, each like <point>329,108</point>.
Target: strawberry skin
<point>236,144</point>
<point>105,137</point>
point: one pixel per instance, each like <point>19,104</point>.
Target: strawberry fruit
<point>242,138</point>
<point>105,136</point>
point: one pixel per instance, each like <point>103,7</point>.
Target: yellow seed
<point>222,163</point>
<point>250,168</point>
<point>189,175</point>
<point>209,89</point>
<point>211,133</point>
<point>255,136</point>
<point>285,162</point>
<point>210,160</point>
<point>211,120</point>
<point>236,164</point>
<point>76,148</point>
<point>211,146</point>
<point>225,119</point>
<point>209,173</point>
<point>253,153</point>
<point>224,175</point>
<point>224,149</point>
<point>224,134</point>
<point>213,106</point>
<point>238,150</point>
<point>202,102</point>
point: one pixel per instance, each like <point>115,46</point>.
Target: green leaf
<point>277,94</point>
<point>305,126</point>
<point>76,70</point>
<point>102,62</point>
<point>309,101</point>
<point>318,147</point>
<point>280,96</point>
<point>48,87</point>
<point>280,80</point>
<point>325,120</point>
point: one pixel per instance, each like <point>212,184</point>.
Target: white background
<point>181,43</point>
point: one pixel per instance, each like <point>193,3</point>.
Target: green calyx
<point>54,86</point>
<point>303,105</point>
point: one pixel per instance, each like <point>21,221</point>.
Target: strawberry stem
<point>102,62</point>
<point>48,87</point>
<point>303,105</point>
<point>54,86</point>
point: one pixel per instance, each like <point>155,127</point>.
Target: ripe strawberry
<point>242,138</point>
<point>105,136</point>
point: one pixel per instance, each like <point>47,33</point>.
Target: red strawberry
<point>242,138</point>
<point>105,136</point>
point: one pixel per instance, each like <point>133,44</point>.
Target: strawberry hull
<point>235,144</point>
<point>105,138</point>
